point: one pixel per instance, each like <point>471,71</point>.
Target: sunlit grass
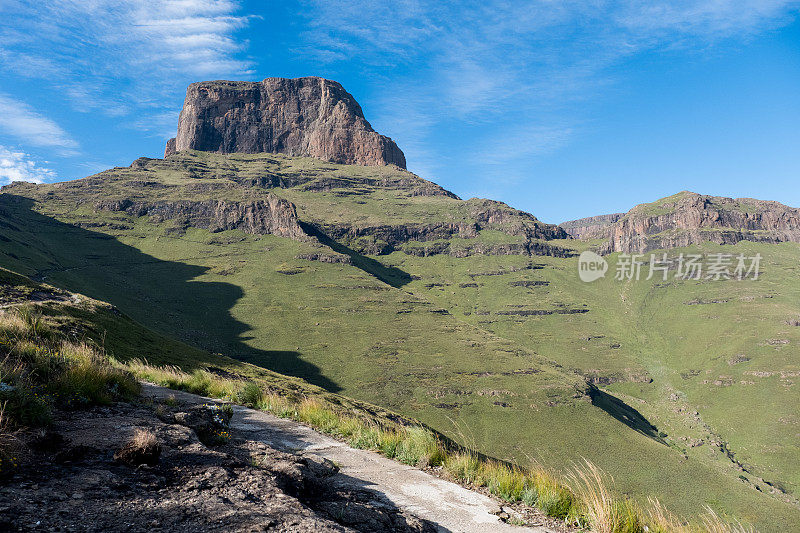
<point>39,369</point>
<point>583,498</point>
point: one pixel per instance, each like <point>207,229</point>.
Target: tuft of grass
<point>141,448</point>
<point>277,405</point>
<point>32,322</point>
<point>660,520</point>
<point>507,482</point>
<point>464,466</point>
<point>250,394</point>
<point>420,447</point>
<point>9,444</point>
<point>597,502</point>
<point>313,413</point>
<point>713,523</point>
<point>41,369</point>
<point>143,438</point>
<point>362,436</point>
<point>551,495</point>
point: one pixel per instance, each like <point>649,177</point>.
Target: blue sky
<point>562,108</point>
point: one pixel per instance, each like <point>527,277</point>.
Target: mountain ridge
<point>689,218</point>
<point>376,282</point>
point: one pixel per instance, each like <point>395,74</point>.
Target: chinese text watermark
<point>635,267</point>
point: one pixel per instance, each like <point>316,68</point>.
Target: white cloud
<point>19,120</point>
<point>120,57</point>
<point>17,166</point>
<point>704,18</point>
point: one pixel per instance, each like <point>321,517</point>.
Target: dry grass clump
<point>10,447</point>
<point>141,448</point>
<point>599,507</point>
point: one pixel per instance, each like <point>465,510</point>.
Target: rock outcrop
<point>429,238</point>
<point>592,227</point>
<point>268,216</point>
<point>689,218</point>
<point>299,117</point>
<point>69,483</point>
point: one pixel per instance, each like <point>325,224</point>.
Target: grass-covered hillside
<point>435,308</point>
<point>62,353</point>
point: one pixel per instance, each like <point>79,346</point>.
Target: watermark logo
<point>634,267</point>
<point>591,266</point>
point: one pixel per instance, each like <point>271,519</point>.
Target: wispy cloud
<point>521,143</point>
<point>507,64</point>
<point>21,121</point>
<point>119,57</point>
<point>18,166</point>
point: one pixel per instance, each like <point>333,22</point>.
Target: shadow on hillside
<point>390,275</point>
<point>625,414</point>
<point>162,295</point>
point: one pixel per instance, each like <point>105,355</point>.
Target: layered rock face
<point>298,117</point>
<point>483,215</point>
<point>268,216</point>
<point>592,227</point>
<point>689,218</point>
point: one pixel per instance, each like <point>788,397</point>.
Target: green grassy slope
<point>102,326</point>
<point>717,378</point>
<point>492,350</point>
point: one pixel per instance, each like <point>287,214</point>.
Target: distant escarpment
<point>592,227</point>
<point>689,218</point>
<point>308,116</point>
<point>524,233</point>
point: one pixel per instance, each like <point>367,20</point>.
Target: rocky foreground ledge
<point>178,462</point>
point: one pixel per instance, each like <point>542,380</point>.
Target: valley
<point>467,315</point>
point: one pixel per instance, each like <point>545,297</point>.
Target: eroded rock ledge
<point>268,216</point>
<point>690,218</point>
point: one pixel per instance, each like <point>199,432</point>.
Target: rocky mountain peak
<point>308,116</point>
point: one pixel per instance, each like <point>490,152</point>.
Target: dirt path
<point>452,507</point>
